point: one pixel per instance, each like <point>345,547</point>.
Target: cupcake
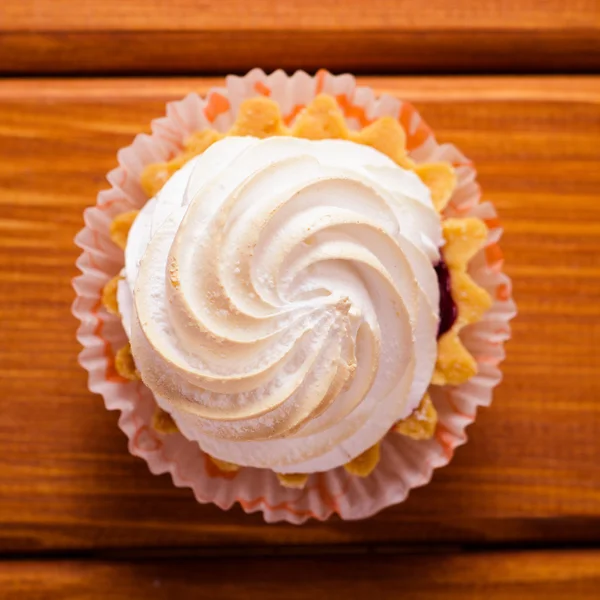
<point>297,296</point>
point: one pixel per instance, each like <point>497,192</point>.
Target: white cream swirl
<point>286,306</point>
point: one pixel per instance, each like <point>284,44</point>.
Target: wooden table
<point>516,514</point>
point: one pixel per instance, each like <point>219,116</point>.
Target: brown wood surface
<point>187,36</point>
<point>488,576</point>
<point>531,470</point>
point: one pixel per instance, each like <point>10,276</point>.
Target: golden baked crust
<point>125,365</point>
<point>387,136</point>
<point>323,119</point>
<point>224,466</point>
<point>109,295</point>
<point>258,117</point>
<point>292,480</point>
<point>421,423</point>
<point>440,178</point>
<point>320,119</point>
<point>464,238</point>
<point>364,463</point>
<point>119,228</point>
<point>154,176</point>
<point>163,422</point>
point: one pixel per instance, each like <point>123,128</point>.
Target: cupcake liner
<point>405,463</point>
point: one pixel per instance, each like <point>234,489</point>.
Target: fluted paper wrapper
<point>405,463</point>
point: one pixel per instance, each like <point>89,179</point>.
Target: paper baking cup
<point>405,463</point>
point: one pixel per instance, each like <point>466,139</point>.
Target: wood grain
<point>184,36</point>
<point>490,576</point>
<point>531,470</point>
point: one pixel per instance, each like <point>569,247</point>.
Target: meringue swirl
<point>285,302</point>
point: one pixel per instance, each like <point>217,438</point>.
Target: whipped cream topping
<point>285,302</point>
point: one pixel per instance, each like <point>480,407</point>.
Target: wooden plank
<point>493,576</point>
<point>531,470</point>
<point>116,36</point>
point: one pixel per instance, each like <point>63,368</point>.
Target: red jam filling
<point>448,308</point>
